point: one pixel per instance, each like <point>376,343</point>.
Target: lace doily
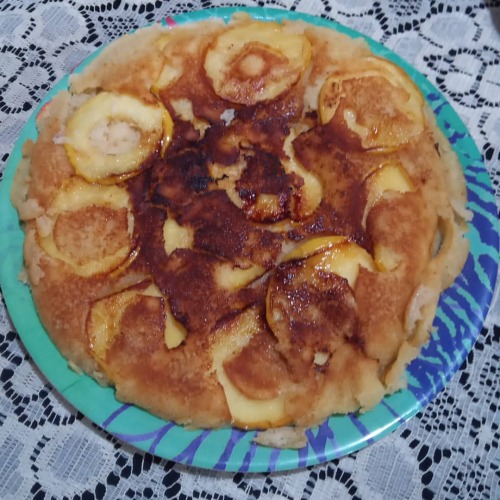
<point>450,450</point>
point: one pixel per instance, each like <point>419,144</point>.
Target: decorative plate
<point>461,312</point>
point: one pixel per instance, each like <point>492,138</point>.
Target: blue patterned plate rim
<point>461,312</point>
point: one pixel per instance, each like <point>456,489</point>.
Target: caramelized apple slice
<point>256,62</point>
<point>176,236</point>
<point>89,227</point>
<point>167,76</point>
<point>227,176</point>
<point>246,412</point>
<point>331,254</point>
<point>183,108</point>
<point>168,73</point>
<point>110,136</point>
<point>390,176</point>
<point>267,207</point>
<point>103,323</point>
<point>311,312</point>
<point>308,197</point>
<point>106,316</point>
<point>313,246</point>
<point>374,101</point>
<point>232,277</point>
<point>343,259</point>
<point>175,333</point>
<point>310,304</point>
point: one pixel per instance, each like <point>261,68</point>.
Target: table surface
<point>449,450</point>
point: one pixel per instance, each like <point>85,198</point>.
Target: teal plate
<point>459,318</point>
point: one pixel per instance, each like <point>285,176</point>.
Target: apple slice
<point>375,101</point>
<point>89,227</point>
<point>343,259</point>
<point>389,176</point>
<point>110,136</point>
<point>245,412</point>
<point>232,277</point>
<point>386,259</point>
<point>310,302</point>
<point>256,62</point>
<point>333,254</point>
<point>183,108</point>
<point>168,75</point>
<point>104,321</point>
<point>176,236</point>
<point>175,333</point>
<point>309,196</point>
<point>313,246</point>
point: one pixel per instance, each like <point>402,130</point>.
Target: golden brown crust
<point>219,325</point>
<point>111,71</point>
<point>49,164</point>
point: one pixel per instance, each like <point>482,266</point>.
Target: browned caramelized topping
<point>326,221</point>
<point>339,172</point>
<point>265,175</point>
<point>309,313</point>
<point>179,179</point>
<point>222,229</point>
<point>195,299</point>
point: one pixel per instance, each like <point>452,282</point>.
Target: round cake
<point>246,223</point>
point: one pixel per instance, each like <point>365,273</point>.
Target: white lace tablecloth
<point>450,450</point>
